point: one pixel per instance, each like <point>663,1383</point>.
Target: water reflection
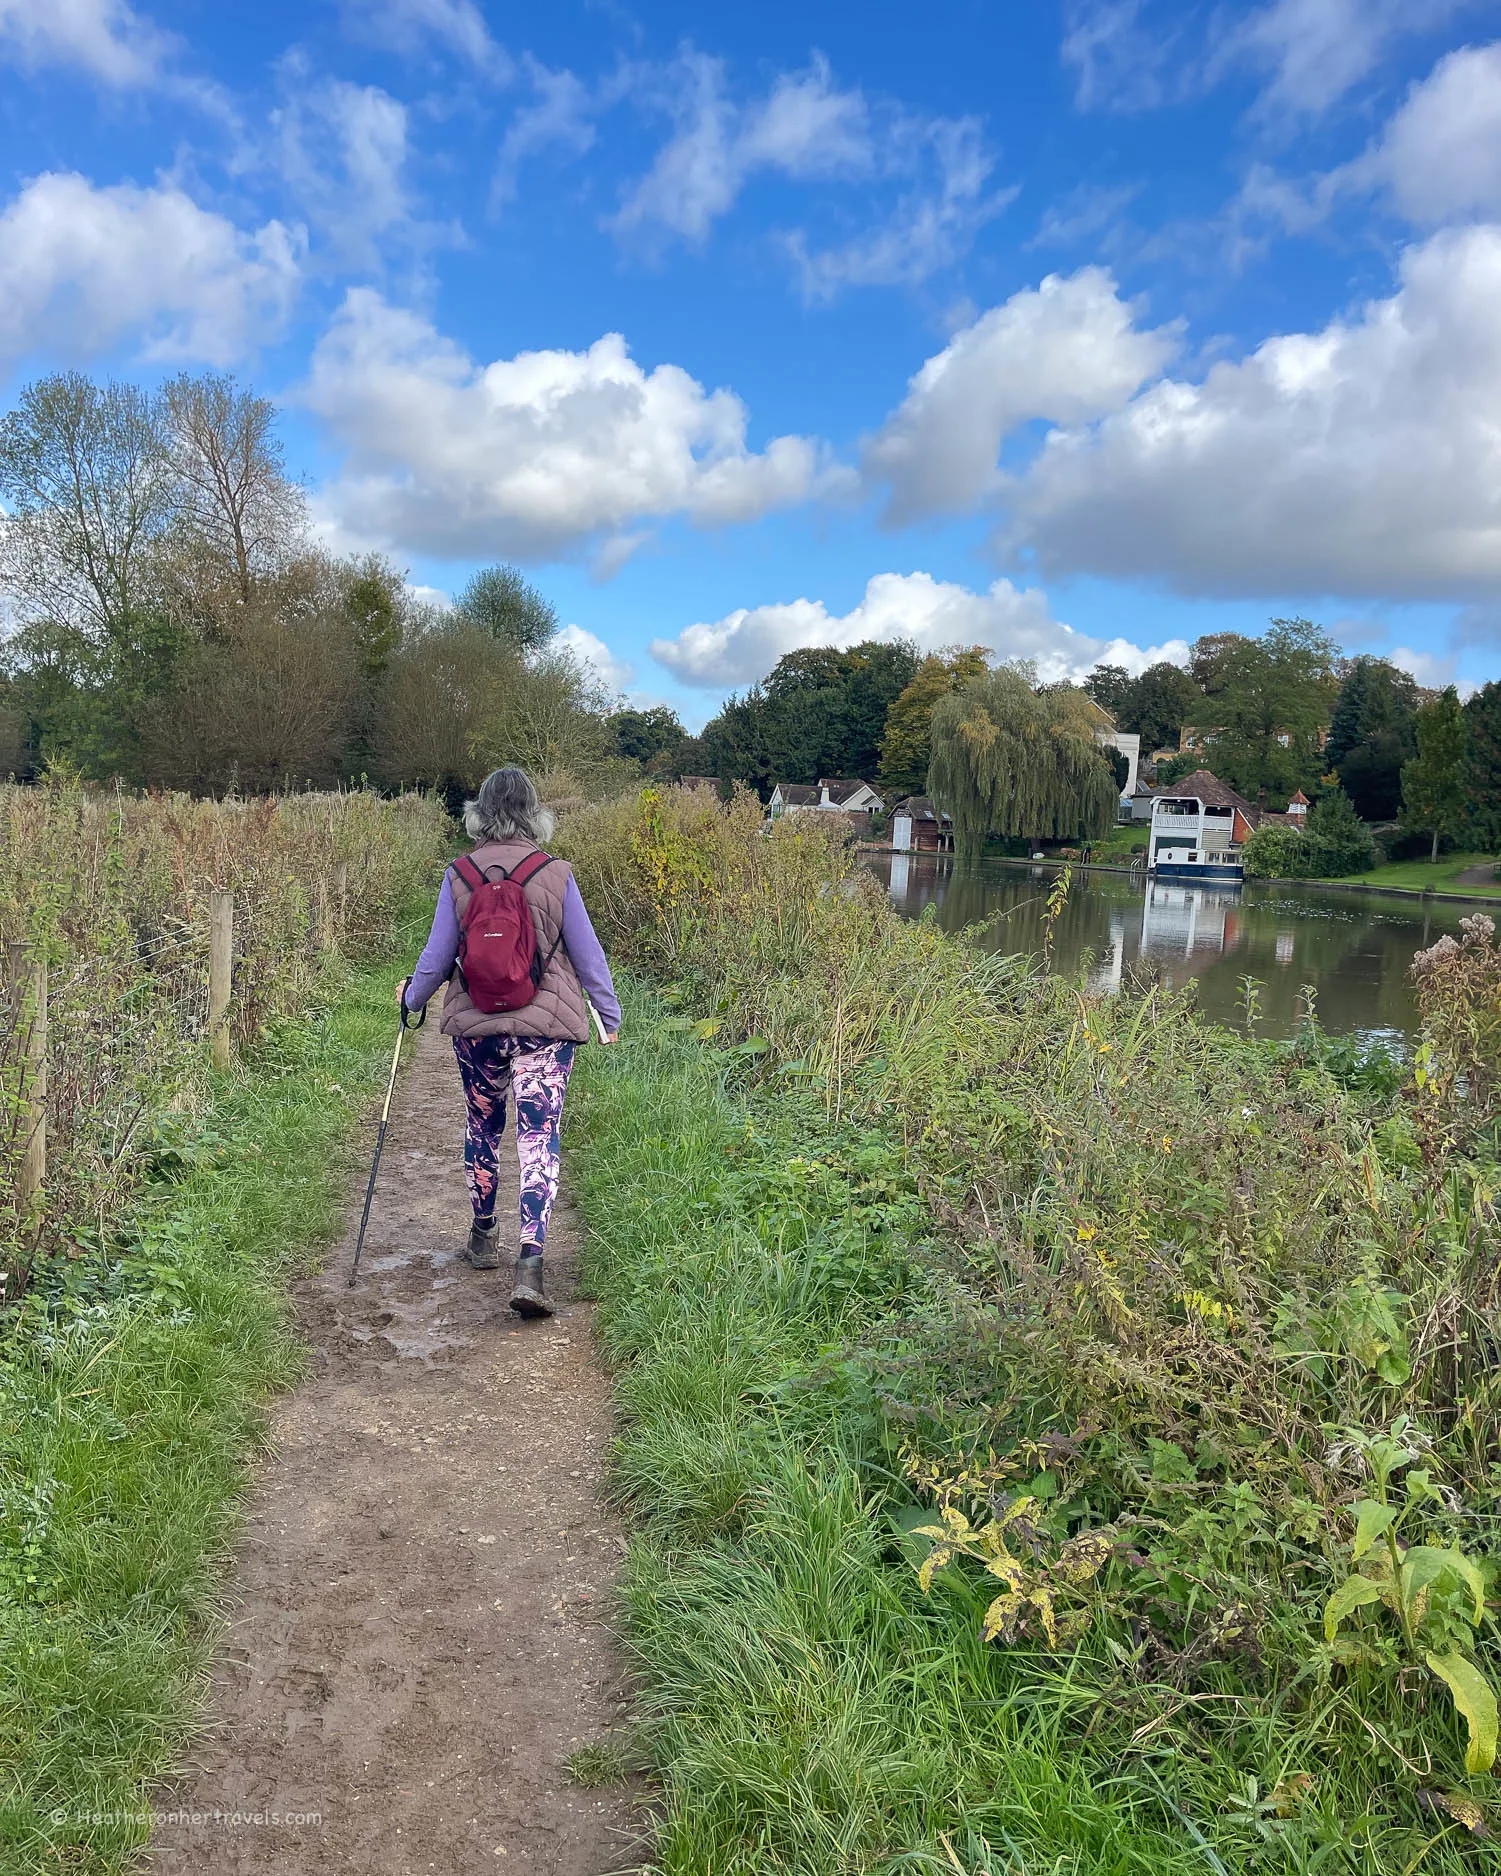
<point>1353,948</point>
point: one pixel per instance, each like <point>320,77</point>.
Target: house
<point>1129,745</point>
<point>834,795</point>
<point>918,827</point>
<point>791,798</point>
<point>850,797</point>
<point>1137,806</point>
<point>699,781</point>
<point>1191,739</point>
<point>1199,825</point>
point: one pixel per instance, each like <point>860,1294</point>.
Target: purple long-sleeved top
<point>440,954</point>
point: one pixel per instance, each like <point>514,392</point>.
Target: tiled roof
<point>841,787</point>
<point>797,794</point>
<point>1207,788</point>
<point>918,808</point>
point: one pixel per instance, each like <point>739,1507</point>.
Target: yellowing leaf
<point>1008,1570</point>
<point>1454,1804</point>
<point>1476,1700</point>
<point>1354,1593</point>
<point>1000,1614</point>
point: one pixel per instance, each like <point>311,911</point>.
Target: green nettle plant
<point>1436,1593</point>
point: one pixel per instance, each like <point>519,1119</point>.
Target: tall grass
<point>112,891</point>
<point>971,1241</point>
<point>136,1361</point>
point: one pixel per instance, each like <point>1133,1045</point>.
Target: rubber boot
<point>483,1248</point>
<point>528,1297</point>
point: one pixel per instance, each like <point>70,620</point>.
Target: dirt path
<point>418,1639</point>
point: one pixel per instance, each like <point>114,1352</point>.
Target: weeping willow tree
<point>1008,759</point>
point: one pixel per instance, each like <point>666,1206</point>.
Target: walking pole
<point>380,1136</point>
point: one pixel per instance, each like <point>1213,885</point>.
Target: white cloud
<point>807,128</point>
<point>1438,160</point>
<point>930,226</point>
<point>1441,153</point>
<point>1066,350</point>
<point>1082,214</point>
<point>1311,54</point>
<point>411,26</point>
<point>1316,51</point>
<point>342,150</point>
<point>563,115</point>
<point>83,269</point>
<point>802,127</point>
<point>614,673</point>
<point>1118,62</point>
<point>1361,460</point>
<point>1014,623</point>
<point>533,456</point>
<point>102,37</point>
<point>1426,666</point>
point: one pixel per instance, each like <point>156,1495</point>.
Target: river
<point>1354,948</point>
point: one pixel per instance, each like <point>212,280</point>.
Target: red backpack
<point>500,961</point>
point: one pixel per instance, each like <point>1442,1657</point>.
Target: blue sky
<point>1075,328</point>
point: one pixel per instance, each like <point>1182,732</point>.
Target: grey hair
<point>508,807</point>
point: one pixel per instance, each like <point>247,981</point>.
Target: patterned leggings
<point>538,1071</point>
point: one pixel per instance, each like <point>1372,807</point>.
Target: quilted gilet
<point>558,1010</point>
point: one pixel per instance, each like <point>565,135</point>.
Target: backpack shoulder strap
<point>527,868</point>
<point>467,871</point>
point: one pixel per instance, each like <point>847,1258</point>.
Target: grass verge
<point>1432,876</point>
<point>129,1405</point>
<point>811,1710</point>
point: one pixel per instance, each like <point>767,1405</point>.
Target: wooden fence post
<point>30,981</point>
<point>341,892</point>
<point>221,953</point>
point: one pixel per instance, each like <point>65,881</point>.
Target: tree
<point>1270,697</point>
<point>1160,702</point>
<point>819,712</point>
<point>1433,781</point>
<point>735,748</point>
<point>501,602</point>
<point>1483,768</point>
<point>877,675</point>
<point>640,735</point>
<point>87,475</point>
<point>233,493</point>
<point>1010,760</point>
<point>1340,841</point>
<point>1372,734</point>
<point>1174,768</point>
<point>1213,658</point>
<point>906,741</point>
<point>1111,686</point>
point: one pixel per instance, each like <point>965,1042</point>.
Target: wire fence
<point>107,906</point>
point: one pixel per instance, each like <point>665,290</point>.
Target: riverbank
<point>1468,876</point>
<point>894,1233</point>
<point>807,1707</point>
<point>128,1429</point>
<point>1474,894</point>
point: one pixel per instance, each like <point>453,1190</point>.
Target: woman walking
<point>526,1052</point>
